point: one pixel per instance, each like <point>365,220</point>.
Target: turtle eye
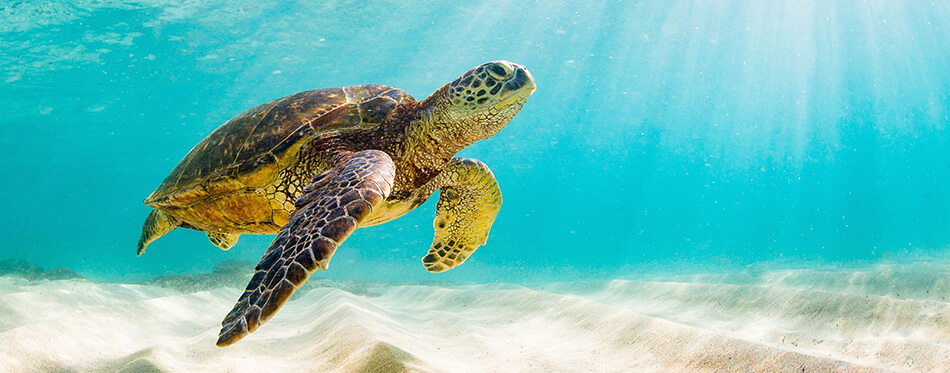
<point>499,70</point>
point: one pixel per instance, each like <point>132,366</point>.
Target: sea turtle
<point>313,166</point>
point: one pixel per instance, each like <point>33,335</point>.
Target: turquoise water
<point>664,135</point>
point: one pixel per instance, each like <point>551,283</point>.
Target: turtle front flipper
<point>332,208</point>
<point>469,200</point>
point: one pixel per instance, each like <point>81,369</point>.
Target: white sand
<point>773,321</point>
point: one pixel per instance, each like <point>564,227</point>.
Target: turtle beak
<point>519,84</point>
<point>529,84</point>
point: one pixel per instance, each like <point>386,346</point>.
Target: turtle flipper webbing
<point>333,206</point>
<point>469,200</point>
<point>156,225</point>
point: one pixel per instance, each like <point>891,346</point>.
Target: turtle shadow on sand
<point>228,274</point>
<point>235,273</point>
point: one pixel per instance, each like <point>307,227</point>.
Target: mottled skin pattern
<point>377,154</point>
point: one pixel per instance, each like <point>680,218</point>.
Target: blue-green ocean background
<point>674,135</point>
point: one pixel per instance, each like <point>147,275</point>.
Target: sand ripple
<point>772,321</point>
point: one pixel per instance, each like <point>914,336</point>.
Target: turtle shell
<point>247,152</point>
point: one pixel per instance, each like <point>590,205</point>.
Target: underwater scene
<point>671,185</point>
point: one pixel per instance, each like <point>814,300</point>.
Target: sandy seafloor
<point>887,317</point>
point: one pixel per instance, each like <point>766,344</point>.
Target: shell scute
<point>249,150</point>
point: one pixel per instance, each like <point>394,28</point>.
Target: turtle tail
<point>156,225</point>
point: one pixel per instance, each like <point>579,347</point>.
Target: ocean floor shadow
<point>237,273</point>
<point>23,269</point>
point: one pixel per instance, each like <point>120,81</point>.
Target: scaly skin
<point>340,199</point>
<point>469,200</point>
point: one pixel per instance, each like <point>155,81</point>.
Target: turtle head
<point>483,100</point>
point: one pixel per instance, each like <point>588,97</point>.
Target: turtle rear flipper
<point>156,225</point>
<point>469,200</point>
<point>334,205</point>
<point>223,241</point>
